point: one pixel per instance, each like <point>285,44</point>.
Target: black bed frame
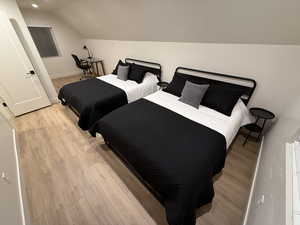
<point>156,67</point>
<point>247,90</point>
<point>248,94</point>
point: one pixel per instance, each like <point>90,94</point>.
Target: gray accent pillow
<point>192,94</point>
<point>123,72</point>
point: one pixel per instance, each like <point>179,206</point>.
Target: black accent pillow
<point>176,85</point>
<point>115,71</point>
<point>221,99</point>
<point>137,73</point>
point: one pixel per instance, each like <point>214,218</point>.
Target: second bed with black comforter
<point>92,99</point>
<point>180,169</point>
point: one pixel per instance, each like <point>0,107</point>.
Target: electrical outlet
<point>260,201</point>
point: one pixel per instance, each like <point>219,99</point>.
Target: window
<point>44,41</point>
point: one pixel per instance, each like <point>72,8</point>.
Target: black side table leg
<point>97,68</point>
<point>258,138</point>
<point>102,67</point>
<point>246,140</point>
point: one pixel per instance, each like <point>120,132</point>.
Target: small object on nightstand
<point>261,115</point>
<point>162,85</point>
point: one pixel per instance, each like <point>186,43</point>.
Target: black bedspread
<point>92,99</point>
<point>176,156</point>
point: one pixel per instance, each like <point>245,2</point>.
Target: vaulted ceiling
<point>218,21</point>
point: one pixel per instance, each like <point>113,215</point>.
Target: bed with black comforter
<point>175,156</point>
<point>92,99</point>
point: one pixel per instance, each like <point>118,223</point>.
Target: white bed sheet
<point>228,126</point>
<point>134,91</point>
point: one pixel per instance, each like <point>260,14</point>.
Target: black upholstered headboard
<point>246,85</point>
<point>151,67</point>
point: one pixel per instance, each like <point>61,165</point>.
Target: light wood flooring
<point>74,179</point>
<point>60,82</point>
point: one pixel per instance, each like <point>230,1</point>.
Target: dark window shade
<point>43,39</point>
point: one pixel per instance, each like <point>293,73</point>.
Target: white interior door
<point>20,86</point>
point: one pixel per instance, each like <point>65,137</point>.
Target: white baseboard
<point>253,183</point>
<point>61,75</point>
<point>54,100</point>
<point>21,198</point>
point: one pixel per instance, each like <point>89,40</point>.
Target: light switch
<point>260,201</point>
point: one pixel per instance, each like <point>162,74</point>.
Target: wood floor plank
<point>60,82</point>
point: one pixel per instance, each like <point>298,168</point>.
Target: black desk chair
<point>84,65</point>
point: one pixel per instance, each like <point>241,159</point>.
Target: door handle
<point>31,72</point>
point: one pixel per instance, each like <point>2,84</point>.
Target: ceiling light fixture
<point>34,5</point>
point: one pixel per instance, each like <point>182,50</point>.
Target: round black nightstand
<point>261,115</point>
<point>162,85</point>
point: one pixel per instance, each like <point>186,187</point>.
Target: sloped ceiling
<point>217,21</point>
<point>47,5</point>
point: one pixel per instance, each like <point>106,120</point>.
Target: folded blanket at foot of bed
<point>92,99</point>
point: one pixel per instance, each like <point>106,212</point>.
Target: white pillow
<point>150,77</point>
<point>247,117</point>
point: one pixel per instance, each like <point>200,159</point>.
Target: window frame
<point>52,32</point>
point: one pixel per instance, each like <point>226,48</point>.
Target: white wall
<point>270,180</point>
<point>67,39</point>
<point>11,9</point>
<point>276,68</point>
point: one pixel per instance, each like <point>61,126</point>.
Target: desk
<point>95,66</point>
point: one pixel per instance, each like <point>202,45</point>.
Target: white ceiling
<point>49,5</point>
<point>217,21</point>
